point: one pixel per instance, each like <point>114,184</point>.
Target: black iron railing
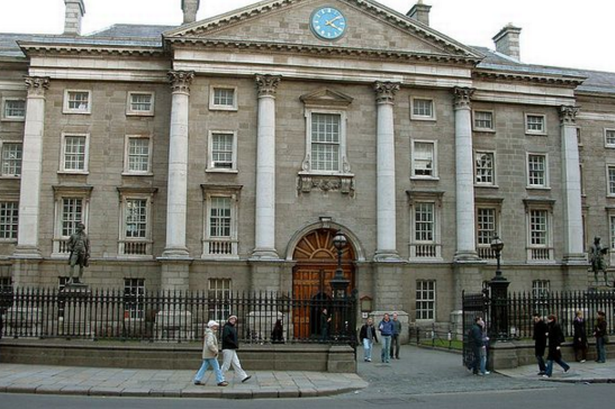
<point>78,313</point>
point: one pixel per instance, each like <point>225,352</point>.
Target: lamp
<point>338,282</point>
<point>497,245</point>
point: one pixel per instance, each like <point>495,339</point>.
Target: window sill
<point>73,172</point>
<point>223,108</point>
<point>538,188</point>
<point>16,119</point>
<point>65,112</point>
<point>486,186</point>
<point>137,174</point>
<point>10,177</point>
<point>422,118</point>
<point>139,114</point>
<point>221,170</point>
<point>529,133</point>
<point>427,178</point>
<point>484,130</point>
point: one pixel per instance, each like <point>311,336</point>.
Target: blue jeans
<point>541,363</point>
<point>385,354</point>
<point>600,349</point>
<point>367,349</point>
<point>214,365</point>
<point>483,360</point>
<point>559,361</point>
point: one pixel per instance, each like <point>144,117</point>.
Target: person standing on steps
<point>540,342</point>
<point>210,355</point>
<point>395,337</point>
<point>230,345</point>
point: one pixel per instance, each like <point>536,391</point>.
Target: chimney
<point>420,12</point>
<point>507,41</point>
<point>75,9</point>
<point>190,8</point>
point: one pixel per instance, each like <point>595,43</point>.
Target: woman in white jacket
<point>210,355</point>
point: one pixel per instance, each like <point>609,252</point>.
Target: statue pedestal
<point>74,311</point>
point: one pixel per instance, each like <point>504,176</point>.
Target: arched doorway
<point>316,262</point>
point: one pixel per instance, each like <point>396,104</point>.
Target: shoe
<point>541,373</point>
<point>486,373</point>
<point>224,383</point>
<point>566,370</point>
<point>369,360</point>
<point>601,362</point>
<point>198,383</point>
<point>583,361</point>
<point>247,378</point>
<point>546,376</point>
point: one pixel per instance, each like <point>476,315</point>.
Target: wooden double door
<point>316,262</point>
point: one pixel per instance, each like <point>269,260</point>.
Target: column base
<point>575,259</point>
<point>387,256</point>
<point>466,256</point>
<point>176,252</point>
<point>265,254</point>
<point>30,252</point>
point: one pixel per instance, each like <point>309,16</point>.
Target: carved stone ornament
<point>326,183</point>
<point>37,85</point>
<point>181,80</point>
<point>385,91</point>
<point>568,114</point>
<point>463,97</point>
<point>267,84</point>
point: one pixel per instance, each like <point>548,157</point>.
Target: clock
<point>328,23</point>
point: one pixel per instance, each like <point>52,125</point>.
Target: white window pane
<point>11,158</point>
<point>138,154</point>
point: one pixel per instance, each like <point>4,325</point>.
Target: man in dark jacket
<point>367,335</point>
<point>556,337</point>
<point>230,345</point>
<point>540,342</point>
<point>395,337</point>
<point>476,343</point>
<point>386,331</point>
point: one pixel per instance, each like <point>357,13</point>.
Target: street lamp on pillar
<point>498,327</point>
<point>497,245</point>
<point>339,284</point>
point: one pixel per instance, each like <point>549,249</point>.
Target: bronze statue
<point>79,246</point>
<point>596,254</point>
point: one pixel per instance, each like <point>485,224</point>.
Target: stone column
<point>265,169</point>
<point>177,189</point>
<point>385,172</point>
<point>31,168</point>
<point>464,169</point>
<point>571,182</point>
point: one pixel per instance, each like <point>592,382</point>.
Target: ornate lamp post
<point>499,295</point>
<point>339,284</point>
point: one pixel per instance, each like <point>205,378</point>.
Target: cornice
<point>94,50</point>
<point>316,50</point>
<point>525,77</point>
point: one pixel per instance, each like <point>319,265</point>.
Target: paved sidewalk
<point>590,372</point>
<point>17,378</point>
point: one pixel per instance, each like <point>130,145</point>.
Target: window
<point>423,159</point>
<point>483,121</point>
<point>9,219</point>
<point>540,293</point>
<point>222,151</point>
<point>612,231</point>
<point>71,207</point>
<point>134,298</point>
<point>609,138</point>
<point>220,230</point>
<point>425,299</point>
<point>535,124</point>
<point>610,170</point>
<point>13,109</point>
<point>424,228</point>
<point>424,222</point>
<point>75,153</point>
<point>325,149</point>
<point>219,293</point>
<point>537,171</point>
<point>486,229</point>
<point>77,102</point>
<point>136,236</point>
<point>11,159</point>
<point>484,167</point>
<point>422,109</point>
<point>140,103</point>
<point>539,219</point>
<point>138,156</point>
<point>223,98</point>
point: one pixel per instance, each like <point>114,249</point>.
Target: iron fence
<point>78,313</point>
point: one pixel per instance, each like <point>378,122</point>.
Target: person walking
<point>395,337</point>
<point>367,335</point>
<point>210,355</point>
<point>230,345</point>
<point>476,343</point>
<point>579,343</point>
<point>540,342</point>
<point>484,348</point>
<point>556,337</point>
<point>386,332</point>
<point>600,332</point>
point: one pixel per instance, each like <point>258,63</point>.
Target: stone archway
<point>316,262</point>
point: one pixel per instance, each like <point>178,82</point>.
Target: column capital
<point>180,80</point>
<point>568,115</point>
<point>463,97</point>
<point>36,85</point>
<point>385,91</point>
<point>267,84</point>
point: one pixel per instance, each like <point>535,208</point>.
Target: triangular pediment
<point>326,97</point>
<point>370,27</point>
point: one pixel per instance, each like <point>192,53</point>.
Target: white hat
<point>231,317</point>
<point>212,324</point>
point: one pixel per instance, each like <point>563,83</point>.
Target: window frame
<point>413,160</point>
<point>420,117</point>
<point>222,107</point>
<point>606,138</point>
<point>482,129</point>
<point>222,290</point>
<point>343,166</point>
<point>134,287</point>
<point>540,253</point>
<point>220,247</point>
<point>86,154</point>
<point>12,118</point>
<point>529,131</point>
<point>127,170</point>
<point>425,250</point>
<point>610,183</point>
<point>78,111</point>
<point>210,152</point>
<point>13,225</point>
<point>419,290</point>
<point>60,194</point>
<point>129,104</point>
<point>545,185</point>
<point>136,247</point>
<point>493,169</point>
<point>3,143</point>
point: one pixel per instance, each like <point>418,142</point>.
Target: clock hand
<point>334,26</point>
<point>329,23</point>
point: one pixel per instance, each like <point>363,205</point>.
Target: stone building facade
<point>225,154</point>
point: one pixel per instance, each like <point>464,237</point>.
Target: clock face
<point>328,23</point>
